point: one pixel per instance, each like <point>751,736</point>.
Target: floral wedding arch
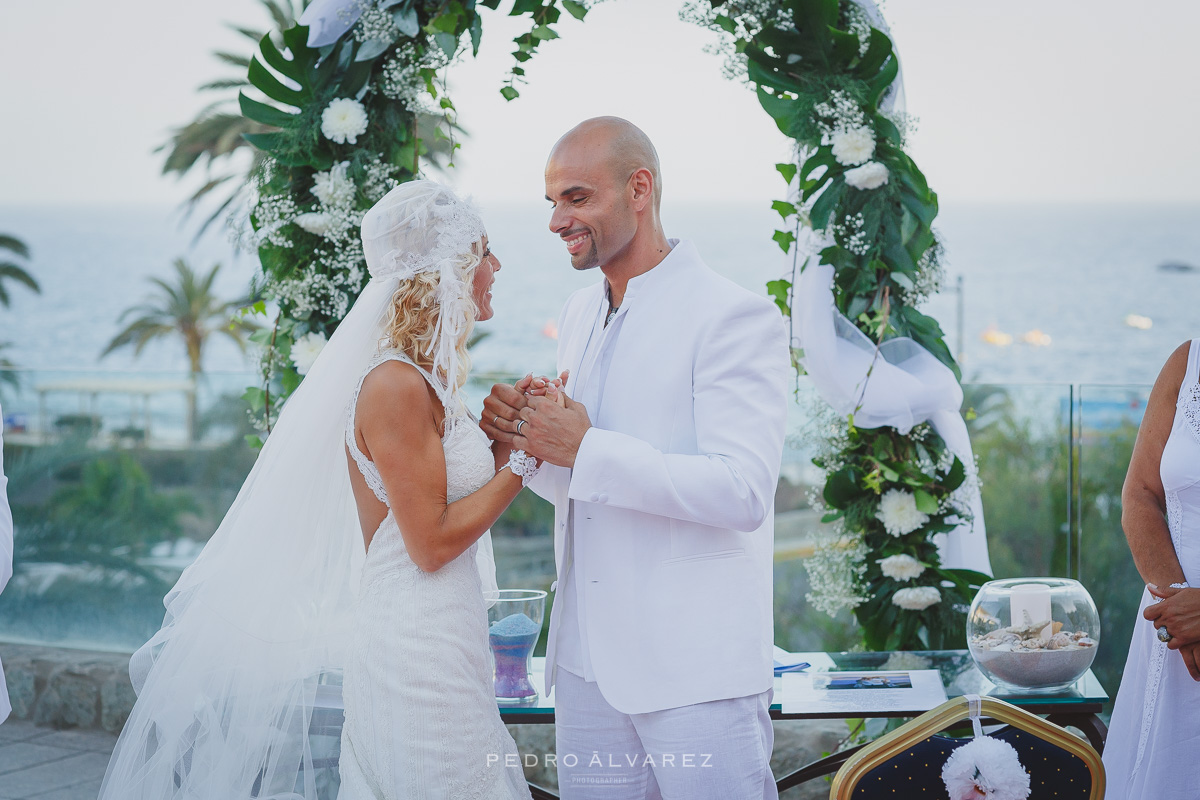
<point>343,95</point>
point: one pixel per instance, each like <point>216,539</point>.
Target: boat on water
<point>1176,266</point>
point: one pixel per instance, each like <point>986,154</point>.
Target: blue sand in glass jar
<point>512,640</point>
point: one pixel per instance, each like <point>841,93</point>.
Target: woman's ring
<point>1163,635</point>
<point>521,422</point>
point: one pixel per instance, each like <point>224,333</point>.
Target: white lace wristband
<point>524,465</point>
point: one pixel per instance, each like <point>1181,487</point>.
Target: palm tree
<point>187,308</point>
<point>11,270</point>
<point>215,136</point>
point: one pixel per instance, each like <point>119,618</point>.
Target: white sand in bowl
<point>1035,668</point>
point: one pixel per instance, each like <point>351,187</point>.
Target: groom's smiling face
<point>592,214</point>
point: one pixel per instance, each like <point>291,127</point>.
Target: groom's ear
<point>641,183</point>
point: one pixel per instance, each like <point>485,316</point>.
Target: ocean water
<point>1074,273</point>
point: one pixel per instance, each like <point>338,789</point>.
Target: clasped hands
<point>1178,610</point>
<point>535,415</point>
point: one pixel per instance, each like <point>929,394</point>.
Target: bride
<point>283,601</point>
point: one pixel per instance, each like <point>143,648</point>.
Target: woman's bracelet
<point>523,465</point>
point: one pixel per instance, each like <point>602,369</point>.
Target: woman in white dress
<point>375,447</point>
<point>1154,736</point>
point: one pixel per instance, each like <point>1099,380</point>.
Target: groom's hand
<point>502,409</point>
<point>553,430</point>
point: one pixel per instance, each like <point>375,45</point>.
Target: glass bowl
<point>1033,634</point>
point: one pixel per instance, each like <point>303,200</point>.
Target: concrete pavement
<point>49,764</point>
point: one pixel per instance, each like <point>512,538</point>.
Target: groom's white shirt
<point>664,527</point>
<point>572,652</point>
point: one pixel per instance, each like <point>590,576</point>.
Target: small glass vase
<point>514,624</point>
<point>1033,634</point>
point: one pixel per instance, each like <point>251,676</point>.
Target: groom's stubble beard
<point>588,259</point>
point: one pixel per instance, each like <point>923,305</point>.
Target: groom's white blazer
<point>674,488</point>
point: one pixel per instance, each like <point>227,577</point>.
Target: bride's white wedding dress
<point>1154,735</point>
<point>421,714</point>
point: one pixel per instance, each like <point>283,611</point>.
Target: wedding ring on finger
<point>1164,635</point>
<point>496,421</point>
<point>521,422</point>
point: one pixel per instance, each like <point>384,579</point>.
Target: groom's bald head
<point>615,144</point>
<point>602,179</point>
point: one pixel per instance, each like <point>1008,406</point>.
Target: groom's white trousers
<point>710,751</point>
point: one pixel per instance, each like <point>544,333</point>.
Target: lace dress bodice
<point>469,463</point>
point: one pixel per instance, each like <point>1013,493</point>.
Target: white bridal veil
<point>226,688</point>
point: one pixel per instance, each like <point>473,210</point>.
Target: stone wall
<point>63,688</point>
<point>68,688</point>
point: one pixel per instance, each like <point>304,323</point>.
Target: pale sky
<point>1029,101</point>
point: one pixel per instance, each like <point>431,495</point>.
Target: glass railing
<point>1104,426</point>
<point>118,479</point>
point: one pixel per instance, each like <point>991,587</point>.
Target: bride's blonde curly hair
<point>414,310</point>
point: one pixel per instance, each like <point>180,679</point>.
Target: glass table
<point>1078,706</point>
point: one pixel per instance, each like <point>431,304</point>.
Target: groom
<point>662,468</point>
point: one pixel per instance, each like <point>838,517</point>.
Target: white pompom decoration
<point>985,769</point>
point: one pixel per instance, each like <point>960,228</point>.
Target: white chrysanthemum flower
<point>344,120</point>
<point>901,567</point>
<point>985,769</point>
<point>305,351</point>
<point>334,188</point>
<point>317,222</point>
<point>898,512</point>
<point>917,598</point>
<point>853,146</point>
<point>870,175</point>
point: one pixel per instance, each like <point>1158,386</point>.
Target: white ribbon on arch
<point>328,20</point>
<point>898,384</point>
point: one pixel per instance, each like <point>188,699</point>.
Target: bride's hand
<point>554,392</point>
<point>1178,611</point>
<point>541,385</point>
<point>1191,659</point>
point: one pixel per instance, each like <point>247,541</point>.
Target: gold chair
<point>907,763</point>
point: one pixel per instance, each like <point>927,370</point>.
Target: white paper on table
<point>808,693</point>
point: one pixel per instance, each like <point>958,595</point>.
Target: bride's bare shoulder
<point>1170,378</point>
<point>392,388</point>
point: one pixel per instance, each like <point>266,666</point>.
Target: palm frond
<point>211,137</point>
<point>14,245</point>
<point>283,14</point>
<point>139,333</point>
<point>183,306</point>
<point>233,59</point>
<point>11,271</point>
<point>250,33</point>
<point>233,197</point>
<point>16,273</point>
<point>224,83</point>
